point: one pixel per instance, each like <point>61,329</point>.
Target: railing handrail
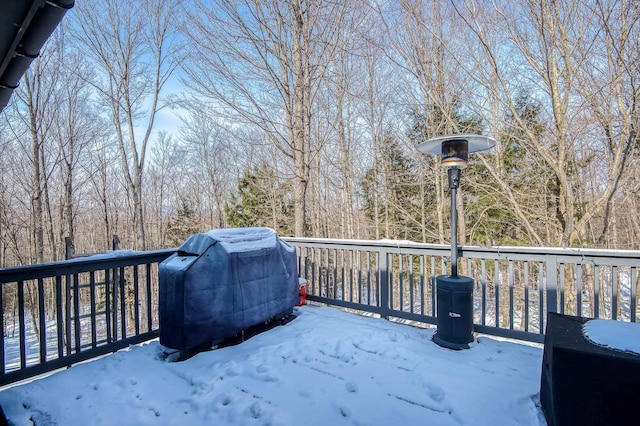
<point>409,245</point>
<point>108,260</point>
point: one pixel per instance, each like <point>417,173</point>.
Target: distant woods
<point>154,120</point>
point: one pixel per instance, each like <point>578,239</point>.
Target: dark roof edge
<point>38,23</point>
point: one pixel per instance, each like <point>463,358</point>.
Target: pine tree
<point>262,200</point>
<point>494,215</point>
<point>182,225</point>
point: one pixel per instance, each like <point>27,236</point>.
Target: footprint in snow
<point>344,411</point>
<point>265,373</point>
<point>255,410</point>
<point>434,391</point>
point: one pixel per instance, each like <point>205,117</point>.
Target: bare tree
<point>612,95</point>
<point>418,33</point>
<point>211,146</point>
<point>32,128</point>
<point>76,129</point>
<point>265,62</point>
<point>135,52</point>
<point>556,45</point>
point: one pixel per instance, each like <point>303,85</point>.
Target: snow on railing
<point>514,286</point>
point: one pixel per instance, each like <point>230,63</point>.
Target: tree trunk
<point>36,175</point>
<point>300,142</point>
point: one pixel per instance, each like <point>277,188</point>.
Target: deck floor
<point>327,367</point>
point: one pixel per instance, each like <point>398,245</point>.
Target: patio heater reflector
<point>454,293</point>
<point>455,153</point>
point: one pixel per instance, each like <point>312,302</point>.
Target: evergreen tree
<point>182,225</point>
<point>492,211</point>
<point>262,199</point>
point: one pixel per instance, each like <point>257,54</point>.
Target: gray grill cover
<point>222,282</point>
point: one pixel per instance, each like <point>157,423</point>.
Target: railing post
<point>552,283</point>
<point>383,273</point>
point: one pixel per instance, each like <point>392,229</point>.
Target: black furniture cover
<point>583,383</point>
<point>224,281</point>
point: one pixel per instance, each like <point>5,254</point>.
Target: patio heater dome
<point>454,293</point>
<point>455,149</point>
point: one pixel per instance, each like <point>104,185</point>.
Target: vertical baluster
<point>313,272</point>
<point>360,286</point>
<point>21,325</point>
<point>596,291</point>
<point>483,264</point>
<point>422,276</point>
<point>510,279</point>
<point>526,296</point>
<point>123,306</point>
<point>411,286</point>
<point>400,282</point>
<point>614,292</point>
<point>327,273</point>
<point>107,303</point>
<point>351,272</point>
<point>136,300</point>
<point>390,281</point>
<point>496,286</point>
<point>92,297</point>
<point>562,288</point>
<point>634,289</point>
<point>342,276</point>
<point>149,309</point>
<point>42,321</point>
<point>67,312</point>
<point>433,286</point>
<point>369,278</point>
<point>541,288</point>
<point>76,311</point>
<point>114,307</point>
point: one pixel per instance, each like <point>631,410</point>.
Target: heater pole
<point>454,181</point>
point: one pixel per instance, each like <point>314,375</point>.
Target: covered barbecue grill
<point>222,282</point>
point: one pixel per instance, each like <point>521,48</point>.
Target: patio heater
<point>454,292</point>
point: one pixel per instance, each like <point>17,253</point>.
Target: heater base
<point>455,312</point>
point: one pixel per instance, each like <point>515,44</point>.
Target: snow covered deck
<point>326,367</point>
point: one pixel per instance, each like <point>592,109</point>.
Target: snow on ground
<point>623,336</point>
<point>327,367</point>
